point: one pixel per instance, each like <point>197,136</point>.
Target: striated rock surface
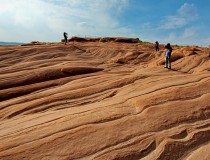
<point>104,101</point>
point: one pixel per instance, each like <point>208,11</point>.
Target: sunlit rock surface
<point>104,101</point>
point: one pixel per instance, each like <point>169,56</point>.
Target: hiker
<point>209,52</point>
<point>65,37</point>
<point>156,46</point>
<point>168,56</point>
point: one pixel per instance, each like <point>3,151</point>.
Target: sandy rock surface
<point>104,101</point>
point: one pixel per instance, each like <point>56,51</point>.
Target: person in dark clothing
<point>168,56</point>
<point>65,37</point>
<point>157,46</point>
<point>209,52</point>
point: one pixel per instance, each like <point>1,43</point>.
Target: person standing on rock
<point>209,52</point>
<point>168,56</point>
<point>157,46</point>
<point>65,37</point>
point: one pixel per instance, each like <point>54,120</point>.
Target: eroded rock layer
<point>104,101</point>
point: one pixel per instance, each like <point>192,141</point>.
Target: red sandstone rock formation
<point>104,101</point>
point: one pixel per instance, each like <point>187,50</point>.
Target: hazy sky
<point>176,21</point>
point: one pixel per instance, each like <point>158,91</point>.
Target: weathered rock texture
<point>103,101</point>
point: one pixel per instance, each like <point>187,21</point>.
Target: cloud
<point>188,11</point>
<point>185,14</point>
<point>189,36</point>
<point>147,25</point>
<point>190,33</point>
<point>173,22</point>
<point>172,37</point>
<point>6,6</point>
<point>85,25</point>
<point>46,20</point>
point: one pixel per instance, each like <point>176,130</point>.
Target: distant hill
<point>10,43</point>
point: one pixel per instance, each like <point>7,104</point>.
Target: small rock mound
<point>103,39</point>
<point>35,43</point>
<point>107,39</point>
<point>127,40</point>
<point>188,51</point>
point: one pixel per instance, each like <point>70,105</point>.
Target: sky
<point>181,22</point>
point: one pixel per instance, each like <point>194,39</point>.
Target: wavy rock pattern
<point>104,101</point>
